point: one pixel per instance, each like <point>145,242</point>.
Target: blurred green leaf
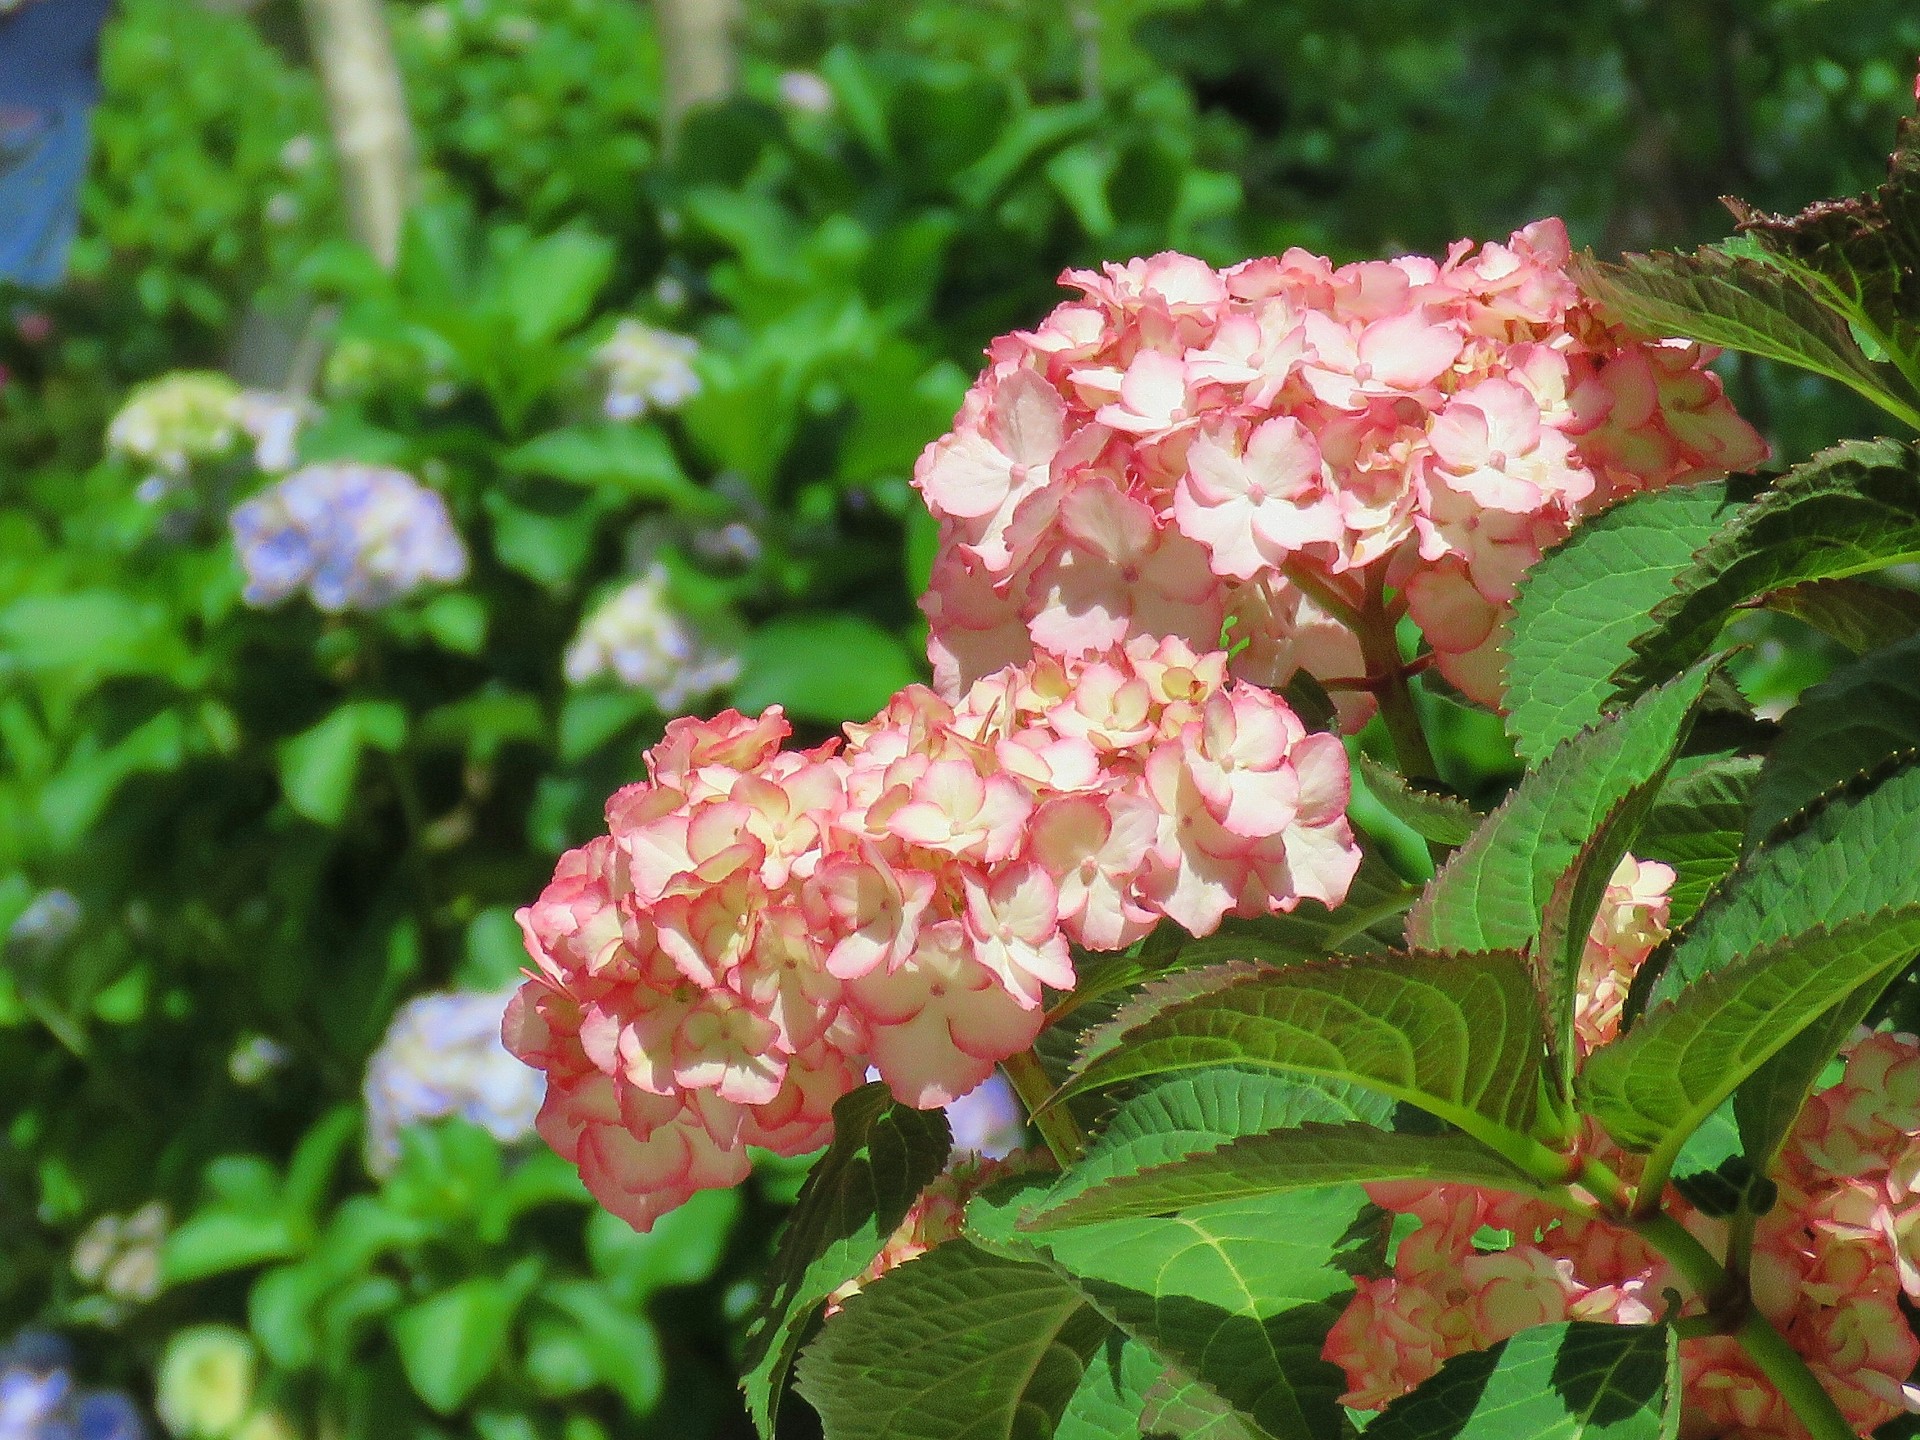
<point>451,1342</point>
<point>822,667</point>
<point>630,460</point>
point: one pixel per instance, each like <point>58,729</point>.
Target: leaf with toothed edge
<point>1860,614</point>
<point>1849,723</point>
<point>883,1155</point>
<point>958,1344</point>
<point>1493,891</point>
<point>1657,1084</point>
<point>1581,606</point>
<point>1460,1036</point>
<point>1237,1297</point>
<point>1854,853</point>
<point>1574,1381</point>
<point>1740,303</point>
<point>1697,827</point>
<point>1278,1162</point>
<point>1443,819</point>
<point>1848,510</point>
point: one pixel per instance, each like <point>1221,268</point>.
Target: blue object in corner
<point>49,84</point>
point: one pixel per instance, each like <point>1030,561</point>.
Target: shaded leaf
<point>1443,819</point>
<point>1847,724</point>
<point>1697,825</point>
<point>1180,1409</point>
<point>882,1157</point>
<point>1111,1397</point>
<point>1575,1381</point>
<point>633,460</point>
<point>822,667</point>
<point>956,1345</point>
<point>1860,614</point>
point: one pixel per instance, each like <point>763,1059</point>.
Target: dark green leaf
<point>633,460</point>
<point>883,1156</point>
<point>1585,602</point>
<point>318,766</point>
<point>451,1342</point>
<point>1179,1409</point>
<point>1112,1392</point>
<point>1697,826</point>
<point>1862,615</point>
<point>1576,1381</point>
<point>1850,723</point>
<point>956,1345</point>
<point>1848,510</point>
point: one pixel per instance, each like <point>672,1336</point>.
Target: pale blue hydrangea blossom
<point>646,369</point>
<point>47,923</point>
<point>39,1400</point>
<point>638,637</point>
<point>988,1120</point>
<point>442,1056</point>
<point>354,537</point>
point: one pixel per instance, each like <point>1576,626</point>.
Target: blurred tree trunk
<point>697,62</point>
<point>367,110</point>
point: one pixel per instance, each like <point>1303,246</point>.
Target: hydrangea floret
<point>354,537</point>
<point>1275,445</point>
<point>641,639</point>
<point>758,926</point>
<point>646,369</point>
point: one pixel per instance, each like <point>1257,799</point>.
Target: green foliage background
<point>280,825</point>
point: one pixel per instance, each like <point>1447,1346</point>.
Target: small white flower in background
<point>355,537</point>
<point>47,923</point>
<point>299,153</point>
<point>804,90</point>
<point>646,369</point>
<point>639,638</point>
<point>255,1058</point>
<point>120,1254</point>
<point>272,420</point>
<point>442,1056</point>
<point>178,419</point>
<point>988,1120</point>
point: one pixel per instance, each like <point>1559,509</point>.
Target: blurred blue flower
<point>47,923</point>
<point>355,537</point>
<point>638,636</point>
<point>38,1400</point>
<point>49,83</point>
<point>442,1056</point>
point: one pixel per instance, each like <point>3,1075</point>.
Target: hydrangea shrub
<point>1606,1128</point>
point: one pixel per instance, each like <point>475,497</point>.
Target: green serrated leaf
<point>883,1155</point>
<point>1443,819</point>
<point>1192,1113</point>
<point>1277,1162</point>
<point>1741,304</point>
<point>1458,1035</point>
<point>1562,829</point>
<point>1175,1408</point>
<point>1849,723</point>
<point>1657,1084</point>
<point>1575,1381</point>
<point>1237,1297</point>
<point>1112,1393</point>
<point>1697,825</point>
<point>956,1345</point>
<point>1856,853</point>
<point>1583,604</point>
<point>1848,510</point>
<point>1860,614</point>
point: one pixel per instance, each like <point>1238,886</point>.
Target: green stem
<point>1777,1360</point>
<point>1054,1122</point>
<point>1782,1364</point>
<point>1379,645</point>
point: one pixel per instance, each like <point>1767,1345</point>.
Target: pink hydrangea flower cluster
<point>759,926</point>
<point>1830,1260</point>
<point>1182,447</point>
